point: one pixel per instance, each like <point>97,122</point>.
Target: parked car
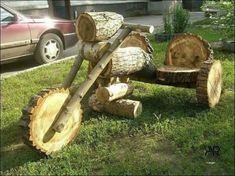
<point>45,38</point>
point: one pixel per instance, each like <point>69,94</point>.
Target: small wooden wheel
<point>38,117</point>
<point>209,83</point>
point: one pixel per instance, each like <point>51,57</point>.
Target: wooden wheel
<point>39,116</point>
<point>188,50</point>
<point>209,83</point>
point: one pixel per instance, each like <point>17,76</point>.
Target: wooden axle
<point>64,114</point>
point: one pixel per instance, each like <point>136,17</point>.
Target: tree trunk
<point>113,92</point>
<point>98,26</point>
<point>92,51</point>
<point>146,74</point>
<point>122,107</point>
<point>126,61</point>
<point>188,50</point>
<point>138,40</point>
<point>177,76</point>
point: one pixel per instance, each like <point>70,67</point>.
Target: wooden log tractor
<point>53,117</point>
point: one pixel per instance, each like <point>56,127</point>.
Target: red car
<point>44,38</point>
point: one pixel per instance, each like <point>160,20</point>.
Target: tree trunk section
<point>177,76</point>
<point>147,74</point>
<point>122,107</point>
<point>98,26</point>
<point>92,51</point>
<point>138,40</point>
<point>126,61</point>
<point>188,50</point>
<point>113,92</point>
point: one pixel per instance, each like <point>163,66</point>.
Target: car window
<point>6,16</point>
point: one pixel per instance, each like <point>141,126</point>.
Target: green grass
<point>170,137</point>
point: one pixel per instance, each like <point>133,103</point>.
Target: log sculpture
<point>113,92</point>
<point>120,107</point>
<point>52,117</point>
<point>98,26</point>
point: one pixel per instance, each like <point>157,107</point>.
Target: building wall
<point>124,7</point>
<point>158,7</point>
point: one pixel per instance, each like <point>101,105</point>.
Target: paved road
<point>28,63</point>
<point>155,20</point>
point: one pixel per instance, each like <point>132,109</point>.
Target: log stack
<point>112,100</point>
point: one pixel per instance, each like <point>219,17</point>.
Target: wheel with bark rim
<point>209,83</point>
<point>38,116</point>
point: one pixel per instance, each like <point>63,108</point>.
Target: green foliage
<point>168,28</point>
<point>176,20</point>
<point>180,19</point>
<point>169,138</point>
<point>226,19</point>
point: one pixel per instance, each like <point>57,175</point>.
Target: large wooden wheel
<point>38,117</point>
<point>188,50</point>
<point>209,83</point>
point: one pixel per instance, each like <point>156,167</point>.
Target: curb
<point>34,68</point>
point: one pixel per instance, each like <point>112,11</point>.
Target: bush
<point>167,24</point>
<point>225,21</point>
<point>176,20</point>
<point>180,19</point>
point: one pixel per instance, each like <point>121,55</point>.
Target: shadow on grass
<point>13,151</point>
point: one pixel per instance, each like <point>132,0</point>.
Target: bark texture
<point>98,26</point>
<point>92,51</point>
<point>122,107</point>
<point>126,61</point>
<point>177,76</point>
<point>113,92</point>
<point>209,83</point>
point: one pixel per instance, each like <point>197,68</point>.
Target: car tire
<point>49,48</point>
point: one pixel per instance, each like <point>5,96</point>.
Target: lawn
<point>170,137</point>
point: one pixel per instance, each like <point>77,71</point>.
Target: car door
<point>15,36</point>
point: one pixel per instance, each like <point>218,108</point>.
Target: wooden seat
<point>184,57</point>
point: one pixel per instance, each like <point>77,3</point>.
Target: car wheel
<point>49,48</point>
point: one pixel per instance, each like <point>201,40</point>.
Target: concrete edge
<point>34,68</point>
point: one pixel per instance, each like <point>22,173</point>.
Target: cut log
<point>209,83</point>
<point>122,107</point>
<point>177,76</point>
<point>147,74</point>
<point>98,26</point>
<point>126,61</point>
<point>138,40</point>
<point>113,92</point>
<point>39,115</point>
<point>188,50</point>
<point>92,51</point>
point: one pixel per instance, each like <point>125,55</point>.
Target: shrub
<point>167,24</point>
<point>176,20</point>
<point>225,21</point>
<point>180,19</point>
